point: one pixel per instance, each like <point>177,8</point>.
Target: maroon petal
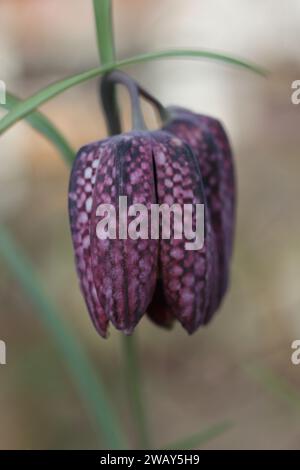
<point>158,310</point>
<point>188,276</point>
<point>81,189</point>
<point>124,270</point>
<point>209,143</point>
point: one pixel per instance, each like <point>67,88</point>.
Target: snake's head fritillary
<point>186,164</point>
<point>210,144</point>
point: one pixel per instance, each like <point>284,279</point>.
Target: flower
<point>209,142</point>
<point>120,278</point>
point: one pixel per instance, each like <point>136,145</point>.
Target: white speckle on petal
<point>160,158</point>
<point>88,173</point>
<point>95,163</point>
<point>88,204</point>
<point>86,242</point>
<point>83,218</point>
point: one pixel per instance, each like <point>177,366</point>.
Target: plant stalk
<point>104,28</point>
<point>106,48</point>
<point>105,37</point>
<point>134,386</point>
<point>107,88</point>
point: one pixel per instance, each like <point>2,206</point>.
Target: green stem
<point>105,37</point>
<point>133,380</point>
<point>106,44</point>
<point>107,87</point>
<point>104,28</point>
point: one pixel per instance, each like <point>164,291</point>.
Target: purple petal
<point>82,182</point>
<point>124,271</point>
<point>188,276</point>
<point>209,143</point>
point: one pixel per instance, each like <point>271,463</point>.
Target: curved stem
<point>111,111</point>
<point>131,369</point>
<point>107,86</point>
<point>162,111</point>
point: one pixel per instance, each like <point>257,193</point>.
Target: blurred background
<point>239,367</point>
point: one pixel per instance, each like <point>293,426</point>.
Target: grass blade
<point>40,123</point>
<point>27,106</point>
<point>201,438</point>
<point>87,380</point>
<point>276,384</point>
<point>132,374</point>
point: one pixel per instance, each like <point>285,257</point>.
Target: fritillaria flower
<point>209,143</point>
<point>188,162</point>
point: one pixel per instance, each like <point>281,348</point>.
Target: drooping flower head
<point>186,164</point>
<point>123,278</point>
<point>209,142</point>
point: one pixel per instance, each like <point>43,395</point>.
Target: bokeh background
<point>239,367</point>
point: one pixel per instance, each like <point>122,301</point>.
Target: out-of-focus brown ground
<point>230,370</point>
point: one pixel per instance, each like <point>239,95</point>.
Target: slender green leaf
<point>42,124</point>
<point>276,384</point>
<point>104,27</point>
<point>134,385</point>
<point>87,380</point>
<point>27,106</point>
<point>201,438</point>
